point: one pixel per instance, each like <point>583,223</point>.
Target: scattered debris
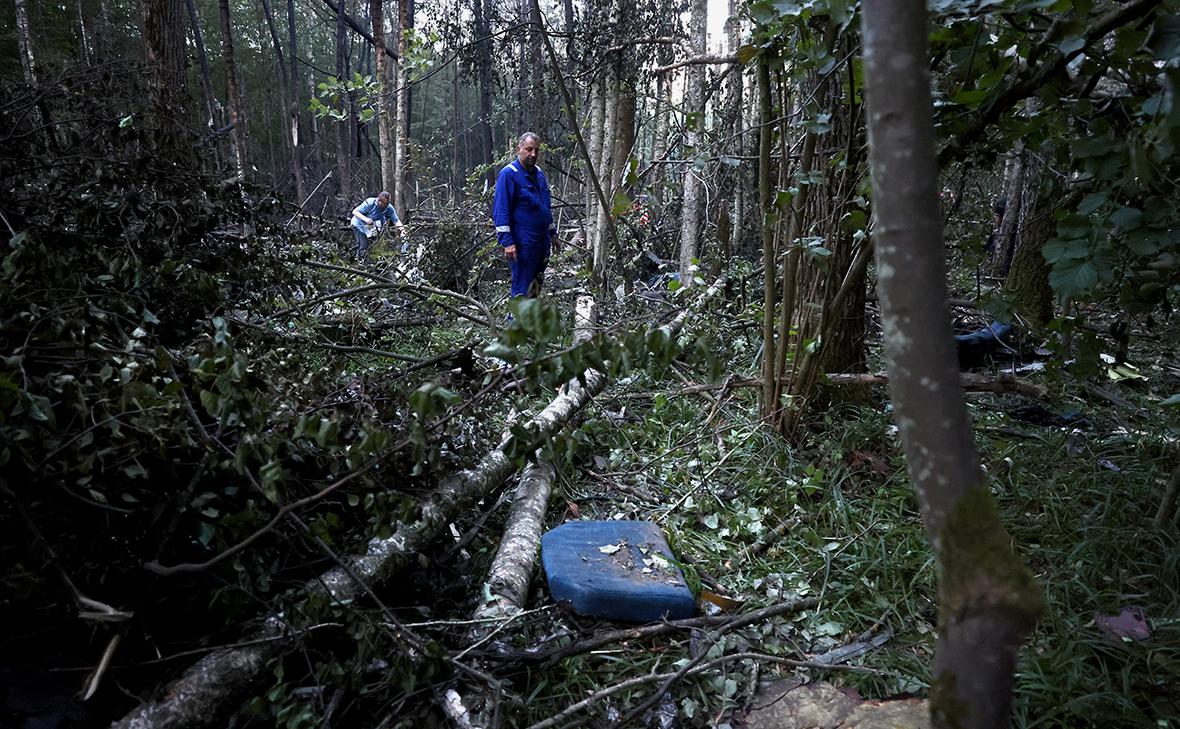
<point>1129,625</point>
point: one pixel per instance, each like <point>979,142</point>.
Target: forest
<point>516,363</point>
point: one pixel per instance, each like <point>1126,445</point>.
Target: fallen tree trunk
<point>1003,384</point>
<point>217,684</point>
<point>512,569</point>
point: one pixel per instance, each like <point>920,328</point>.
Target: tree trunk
<point>988,601</point>
<point>694,101</point>
<point>236,115</point>
<point>596,119</point>
<point>483,61</point>
<point>1004,242</point>
<point>345,128</point>
<point>24,41</point>
<point>535,96</point>
<point>163,22</point>
<point>284,83</point>
<point>293,98</point>
<point>765,130</point>
<point>606,172</point>
<point>402,123</point>
<point>211,103</point>
<point>384,130</point>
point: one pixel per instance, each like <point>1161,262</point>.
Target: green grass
<point>856,539</point>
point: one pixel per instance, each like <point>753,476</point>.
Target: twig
<point>309,197</point>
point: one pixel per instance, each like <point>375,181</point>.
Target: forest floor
<point>761,521</point>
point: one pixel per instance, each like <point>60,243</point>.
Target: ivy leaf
<point>1165,38</point>
<point>1172,401</point>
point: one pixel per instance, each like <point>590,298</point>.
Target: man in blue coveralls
<point>524,221</point>
<point>369,218</point>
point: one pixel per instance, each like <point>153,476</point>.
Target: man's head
<point>382,200</point>
<point>528,150</point>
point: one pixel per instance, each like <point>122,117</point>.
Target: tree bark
<point>163,22</point>
<point>293,98</point>
<point>483,62</point>
<point>211,103</point>
<point>384,130</point>
<point>606,172</point>
<point>694,100</point>
<point>236,114</point>
<point>765,130</point>
<point>402,120</point>
<point>988,601</point>
<point>24,41</point>
<point>345,128</point>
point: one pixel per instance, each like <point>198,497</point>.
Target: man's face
<point>382,203</point>
<point>528,153</point>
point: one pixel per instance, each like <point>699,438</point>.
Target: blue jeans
<point>362,244</point>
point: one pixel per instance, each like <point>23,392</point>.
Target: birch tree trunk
<point>293,98</point>
<point>606,171</point>
<point>595,119</point>
<point>988,601</point>
<point>345,127</point>
<point>24,41</point>
<point>384,132</point>
<point>402,120</point>
<point>694,96</point>
<point>236,115</point>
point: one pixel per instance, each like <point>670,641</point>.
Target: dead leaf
<point>1129,625</point>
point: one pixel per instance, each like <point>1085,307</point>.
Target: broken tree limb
<point>708,59</point>
<point>205,694</point>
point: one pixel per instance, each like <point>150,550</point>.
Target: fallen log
<point>1003,384</point>
<point>515,560</point>
<point>206,693</point>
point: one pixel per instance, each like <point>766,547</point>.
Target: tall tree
<point>988,601</point>
<point>211,103</point>
<point>237,116</point>
<point>694,101</point>
<point>24,40</point>
<point>163,22</point>
<point>293,99</point>
<point>401,167</point>
<point>346,127</point>
<point>483,62</point>
<point>384,125</point>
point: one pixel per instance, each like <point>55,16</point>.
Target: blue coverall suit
<point>523,218</point>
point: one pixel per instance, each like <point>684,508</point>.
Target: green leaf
<point>746,53</point>
<point>1092,202</point>
<point>1126,218</point>
<point>1070,278</point>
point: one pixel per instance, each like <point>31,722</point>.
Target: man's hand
<point>555,244</point>
<point>510,252</point>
